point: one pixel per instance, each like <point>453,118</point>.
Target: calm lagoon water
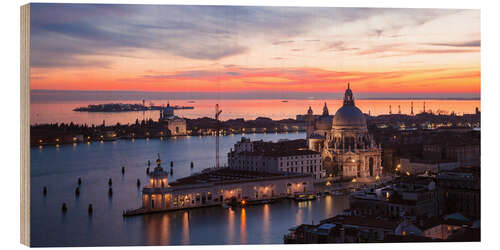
<point>58,168</point>
<point>51,112</point>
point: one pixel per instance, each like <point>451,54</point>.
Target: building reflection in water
<point>164,234</point>
<point>230,226</point>
<point>266,222</point>
<point>243,227</point>
<point>305,204</point>
<point>301,215</point>
<point>263,224</point>
<point>157,232</point>
<point>298,216</point>
<point>185,228</point>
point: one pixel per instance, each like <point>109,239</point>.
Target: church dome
<point>349,116</point>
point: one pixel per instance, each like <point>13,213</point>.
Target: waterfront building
<point>411,197</point>
<point>156,195</point>
<point>283,156</point>
<point>218,186</point>
<point>175,124</point>
<point>56,138</point>
<point>346,147</point>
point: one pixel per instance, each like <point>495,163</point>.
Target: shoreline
<point>155,137</point>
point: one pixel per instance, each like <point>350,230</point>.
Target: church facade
<point>176,125</point>
<point>346,147</point>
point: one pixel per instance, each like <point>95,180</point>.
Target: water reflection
<point>248,109</point>
<point>298,216</point>
<point>304,204</point>
<point>243,227</point>
<point>230,226</point>
<point>266,222</point>
<point>185,228</point>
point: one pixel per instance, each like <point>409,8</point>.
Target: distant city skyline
<point>253,52</point>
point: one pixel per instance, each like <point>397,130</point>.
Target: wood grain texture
<point>25,130</point>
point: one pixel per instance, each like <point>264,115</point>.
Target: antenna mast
<point>217,127</point>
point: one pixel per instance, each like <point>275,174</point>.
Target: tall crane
<point>217,127</point>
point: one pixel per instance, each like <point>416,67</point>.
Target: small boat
<point>305,197</point>
<point>284,101</point>
<point>225,205</point>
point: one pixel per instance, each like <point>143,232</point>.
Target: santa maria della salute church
<point>346,147</point>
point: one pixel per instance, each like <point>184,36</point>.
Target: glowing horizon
<point>229,49</point>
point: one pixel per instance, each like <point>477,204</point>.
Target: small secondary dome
<point>349,116</point>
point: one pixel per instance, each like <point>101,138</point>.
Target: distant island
<point>124,107</point>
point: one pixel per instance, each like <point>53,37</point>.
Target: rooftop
<point>363,221</point>
<point>280,153</point>
<point>227,175</point>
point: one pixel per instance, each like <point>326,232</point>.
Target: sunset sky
<point>302,52</point>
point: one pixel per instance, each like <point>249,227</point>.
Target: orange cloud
<point>267,79</point>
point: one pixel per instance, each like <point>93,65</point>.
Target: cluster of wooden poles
<point>64,207</point>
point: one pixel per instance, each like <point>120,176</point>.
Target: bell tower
<point>325,111</point>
